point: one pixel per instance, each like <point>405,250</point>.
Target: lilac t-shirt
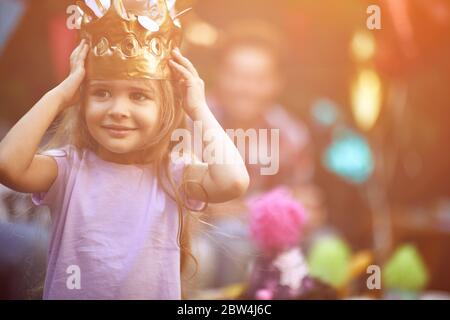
<point>114,231</point>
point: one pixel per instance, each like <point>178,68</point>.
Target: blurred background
<point>363,117</point>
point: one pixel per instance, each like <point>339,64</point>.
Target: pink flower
<point>276,220</point>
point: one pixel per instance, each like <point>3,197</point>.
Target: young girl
<point>117,201</point>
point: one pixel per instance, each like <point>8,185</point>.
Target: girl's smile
<point>118,131</point>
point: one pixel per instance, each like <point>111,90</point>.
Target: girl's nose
<point>119,109</point>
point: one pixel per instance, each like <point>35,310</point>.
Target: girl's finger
<point>181,70</point>
<point>81,56</point>
<point>80,45</point>
<point>185,62</point>
<point>84,52</point>
<point>74,53</point>
<point>77,49</point>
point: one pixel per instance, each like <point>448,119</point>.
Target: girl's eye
<point>139,96</point>
<point>102,94</point>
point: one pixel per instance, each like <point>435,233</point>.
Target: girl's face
<point>122,116</point>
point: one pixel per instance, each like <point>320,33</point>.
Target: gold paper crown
<point>129,45</point>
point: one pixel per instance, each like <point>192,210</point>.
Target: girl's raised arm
<point>21,168</point>
<point>220,181</point>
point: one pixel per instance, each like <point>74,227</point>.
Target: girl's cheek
<point>93,112</point>
<point>147,117</point>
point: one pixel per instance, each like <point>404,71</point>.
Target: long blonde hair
<point>70,128</point>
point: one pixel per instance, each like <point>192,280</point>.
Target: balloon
<point>405,270</point>
<point>349,156</point>
<point>329,260</point>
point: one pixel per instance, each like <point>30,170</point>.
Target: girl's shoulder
<point>63,157</point>
<point>66,155</point>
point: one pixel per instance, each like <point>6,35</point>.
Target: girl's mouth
<point>118,131</point>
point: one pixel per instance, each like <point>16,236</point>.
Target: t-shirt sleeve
<point>57,188</point>
<point>177,172</point>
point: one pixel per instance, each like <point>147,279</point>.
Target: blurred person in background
<point>252,61</point>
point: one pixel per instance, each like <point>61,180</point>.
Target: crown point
<point>148,23</point>
<point>170,4</point>
<point>182,13</point>
<point>120,9</point>
<point>99,7</point>
<point>86,10</point>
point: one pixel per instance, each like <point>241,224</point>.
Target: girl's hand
<point>195,99</point>
<point>68,90</point>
